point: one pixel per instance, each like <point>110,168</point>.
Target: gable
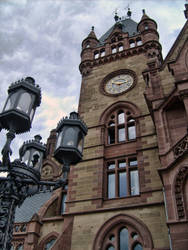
<point>177,58</point>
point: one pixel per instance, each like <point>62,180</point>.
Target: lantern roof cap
<point>73,120</point>
<point>27,83</point>
<point>35,143</point>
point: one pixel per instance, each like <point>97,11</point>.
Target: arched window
<point>122,177</point>
<point>122,237</point>
<point>121,127</point>
<point>49,244</point>
<point>123,232</point>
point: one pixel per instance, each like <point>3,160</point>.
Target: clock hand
<point>119,83</point>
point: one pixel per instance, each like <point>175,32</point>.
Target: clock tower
<point>117,189</point>
<point>130,190</point>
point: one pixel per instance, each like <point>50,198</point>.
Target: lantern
<point>18,112</point>
<point>70,140</point>
<point>32,152</point>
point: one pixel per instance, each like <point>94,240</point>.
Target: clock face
<point>119,84</point>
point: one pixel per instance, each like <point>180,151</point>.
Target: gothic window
<point>122,237</point>
<point>122,178</point>
<point>121,127</point>
<point>49,244</point>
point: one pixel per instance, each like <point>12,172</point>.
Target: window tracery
<point>121,127</point>
<point>123,232</point>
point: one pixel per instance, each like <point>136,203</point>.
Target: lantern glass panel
<point>59,139</point>
<point>25,158</point>
<point>11,101</point>
<point>37,155</point>
<point>24,102</point>
<point>69,138</point>
<point>80,142</point>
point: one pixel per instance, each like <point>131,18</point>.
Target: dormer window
<point>132,43</point>
<point>114,50</point>
<point>96,55</point>
<point>88,45</point>
<point>120,47</point>
<point>102,53</point>
<point>138,41</point>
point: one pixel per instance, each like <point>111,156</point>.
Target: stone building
<point>129,191</point>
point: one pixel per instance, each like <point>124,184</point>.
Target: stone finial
<point>116,17</point>
<point>129,13</point>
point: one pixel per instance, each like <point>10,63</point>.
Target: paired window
<point>123,238</point>
<point>122,178</point>
<point>133,43</point>
<point>100,53</point>
<point>121,127</point>
<point>117,48</point>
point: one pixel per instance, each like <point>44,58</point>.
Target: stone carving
<point>179,191</point>
<point>181,147</point>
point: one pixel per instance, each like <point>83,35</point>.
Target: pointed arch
<point>123,221</point>
<point>46,239</point>
<point>118,105</point>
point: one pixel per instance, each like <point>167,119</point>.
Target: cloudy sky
<point>42,39</point>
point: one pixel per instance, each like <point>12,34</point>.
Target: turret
<point>148,28</point>
<point>87,55</point>
<point>88,44</point>
<point>150,37</point>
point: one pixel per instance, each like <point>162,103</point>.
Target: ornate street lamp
<point>23,175</point>
<point>70,141</point>
<point>32,152</point>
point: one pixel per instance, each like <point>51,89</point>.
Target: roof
<point>128,25</point>
<point>30,206</point>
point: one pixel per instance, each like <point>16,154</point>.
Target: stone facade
<point>147,197</point>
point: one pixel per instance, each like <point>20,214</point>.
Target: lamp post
<point>23,175</point>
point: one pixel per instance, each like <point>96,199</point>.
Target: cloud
<point>42,39</point>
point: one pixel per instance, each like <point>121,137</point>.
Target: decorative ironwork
<point>23,178</point>
<point>181,147</point>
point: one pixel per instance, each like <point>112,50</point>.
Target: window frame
<point>115,232</point>
<point>129,121</point>
<point>116,171</point>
